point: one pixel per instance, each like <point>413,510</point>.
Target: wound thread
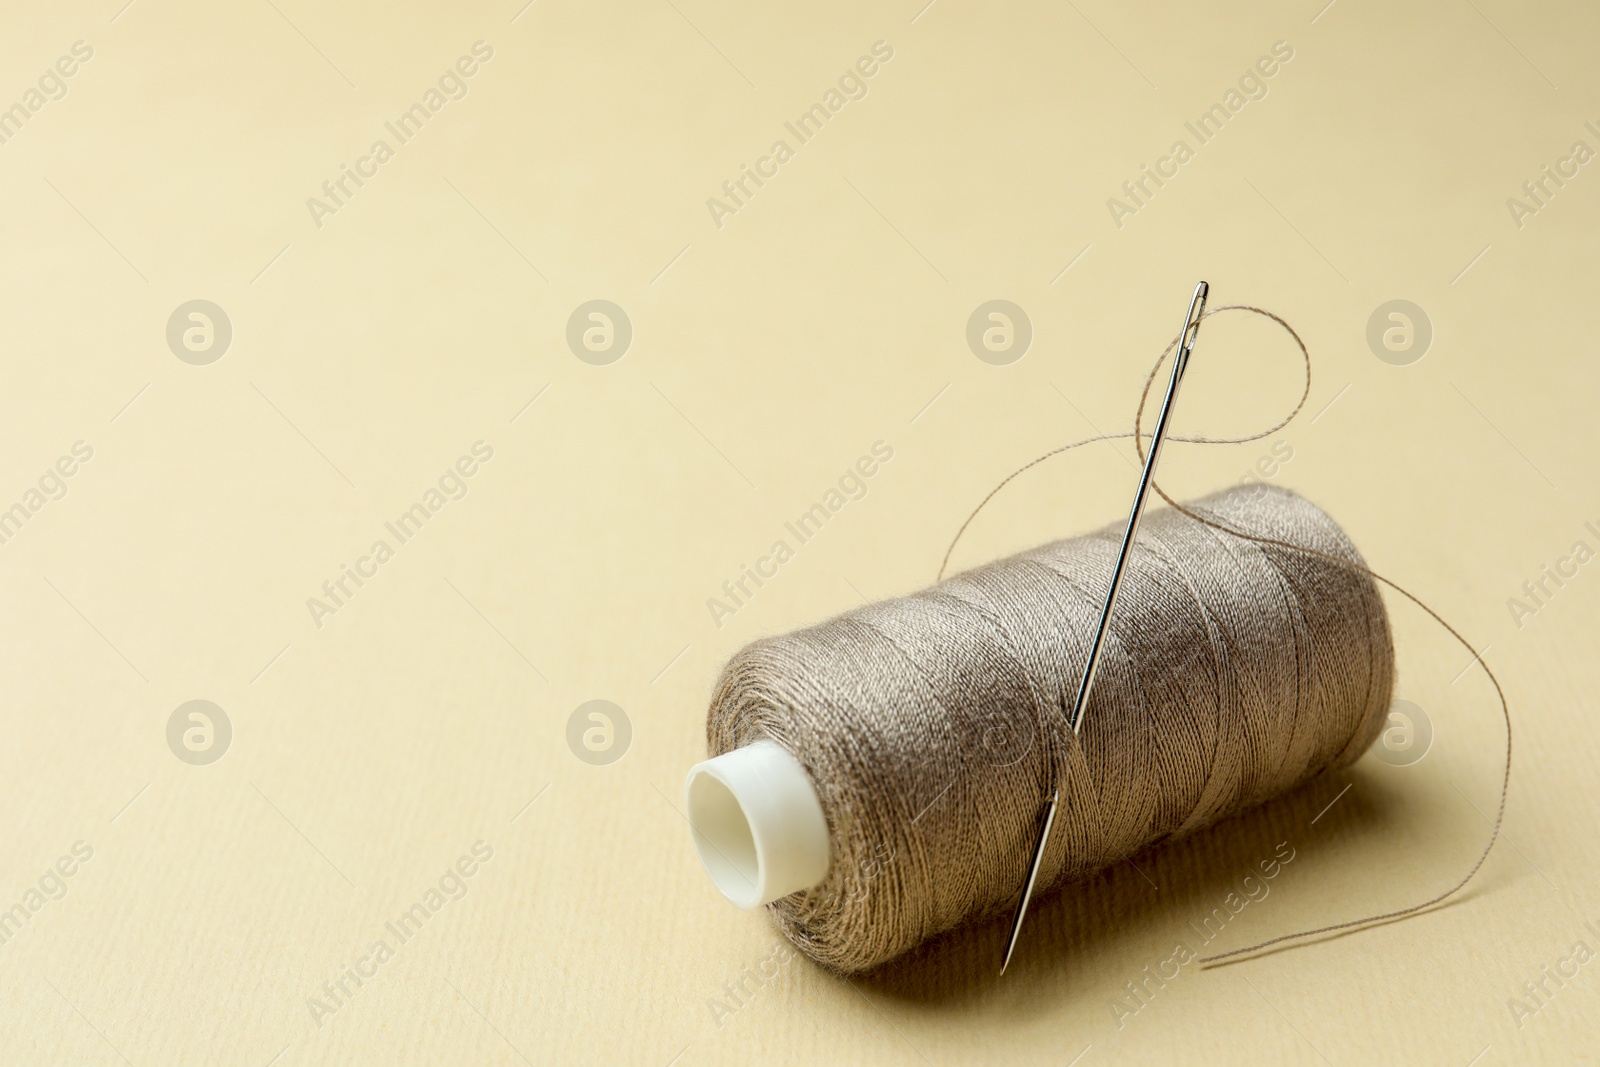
<point>932,725</point>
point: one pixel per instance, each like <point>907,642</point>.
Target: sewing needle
<point>1180,362</point>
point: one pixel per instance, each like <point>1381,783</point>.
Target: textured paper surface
<point>381,333</point>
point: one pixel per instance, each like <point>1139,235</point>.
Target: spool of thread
<point>876,779</point>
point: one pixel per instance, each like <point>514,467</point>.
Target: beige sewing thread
<point>1251,652</point>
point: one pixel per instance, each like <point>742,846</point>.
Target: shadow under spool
<point>931,727</point>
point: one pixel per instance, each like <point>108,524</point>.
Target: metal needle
<point>1180,362</point>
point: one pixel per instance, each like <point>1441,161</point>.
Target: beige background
<point>828,313</point>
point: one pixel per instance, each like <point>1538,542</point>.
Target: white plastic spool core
<point>757,823</point>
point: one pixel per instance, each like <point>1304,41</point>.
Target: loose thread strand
<point>1139,438</point>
